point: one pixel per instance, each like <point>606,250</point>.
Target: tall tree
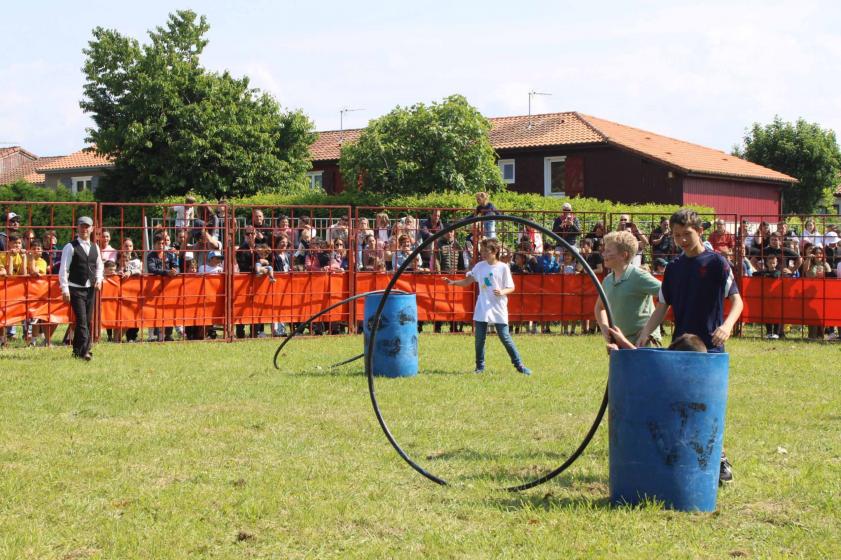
<point>423,149</point>
<point>803,150</point>
<point>172,126</point>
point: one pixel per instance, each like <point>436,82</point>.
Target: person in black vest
<point>79,275</point>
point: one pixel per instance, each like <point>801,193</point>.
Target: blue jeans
<point>481,331</point>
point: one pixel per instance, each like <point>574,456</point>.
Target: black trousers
<point>81,301</point>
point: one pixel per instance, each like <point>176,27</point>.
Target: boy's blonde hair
<point>482,196</point>
<point>491,244</point>
<point>624,241</point>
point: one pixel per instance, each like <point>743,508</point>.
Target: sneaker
<point>479,370</point>
<point>772,336</point>
<point>524,370</point>
<point>725,472</point>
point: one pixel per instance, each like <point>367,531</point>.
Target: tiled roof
<point>506,132</point>
<point>688,157</point>
<point>82,159</point>
<point>14,149</point>
<point>328,144</point>
<point>556,129</point>
<point>27,172</point>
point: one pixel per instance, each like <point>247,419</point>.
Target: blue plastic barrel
<point>666,423</point>
<point>396,347</point>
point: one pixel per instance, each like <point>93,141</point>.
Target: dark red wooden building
<point>571,154</point>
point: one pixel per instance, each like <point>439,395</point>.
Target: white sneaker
<point>772,336</point>
<point>832,336</point>
<point>262,335</point>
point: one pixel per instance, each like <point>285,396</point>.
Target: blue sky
<point>701,72</point>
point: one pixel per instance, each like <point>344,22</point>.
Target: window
<point>554,176</point>
<point>316,179</point>
<point>506,168</point>
<point>79,184</point>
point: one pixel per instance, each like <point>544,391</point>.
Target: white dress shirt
<point>64,269</point>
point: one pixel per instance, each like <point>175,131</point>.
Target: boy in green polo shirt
<point>629,289</point>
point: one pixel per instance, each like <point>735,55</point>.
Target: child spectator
<point>547,263</point>
<point>404,249</point>
<point>695,286</point>
<point>16,261</point>
<point>522,263</point>
<point>37,264</point>
<point>370,252</point>
<point>263,261</point>
<point>214,264</point>
<point>109,268</point>
<point>495,283</point>
<point>595,260</point>
<point>484,207</point>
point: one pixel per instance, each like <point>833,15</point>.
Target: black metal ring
<point>301,326</point>
<point>369,370</point>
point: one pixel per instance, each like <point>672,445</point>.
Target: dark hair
<point>686,217</point>
<point>36,243</point>
<point>688,343</point>
<point>13,237</point>
<point>109,264</point>
<point>159,236</point>
<point>261,246</point>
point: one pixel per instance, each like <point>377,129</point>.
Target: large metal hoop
<point>301,326</point>
<point>369,370</point>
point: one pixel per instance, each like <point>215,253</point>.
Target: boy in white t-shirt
<point>495,283</point>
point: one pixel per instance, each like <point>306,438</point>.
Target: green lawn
<point>205,450</point>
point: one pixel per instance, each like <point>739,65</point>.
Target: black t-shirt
<point>594,260</point>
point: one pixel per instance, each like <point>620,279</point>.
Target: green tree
<point>804,151</point>
<point>423,149</point>
<point>172,126</point>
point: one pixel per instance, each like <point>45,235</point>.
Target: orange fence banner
<point>801,301</point>
<point>158,301</point>
<point>437,301</point>
<point>24,297</point>
<point>293,297</point>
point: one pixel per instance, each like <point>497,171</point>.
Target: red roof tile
<point>82,159</point>
<point>688,157</point>
<point>557,129</point>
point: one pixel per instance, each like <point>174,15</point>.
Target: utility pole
<point>532,93</point>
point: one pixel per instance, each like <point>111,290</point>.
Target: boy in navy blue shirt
<point>695,285</point>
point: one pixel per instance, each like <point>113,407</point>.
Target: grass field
<point>205,450</point>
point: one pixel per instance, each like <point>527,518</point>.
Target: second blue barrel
<point>396,346</point>
<point>666,422</point>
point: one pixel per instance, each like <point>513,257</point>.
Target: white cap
<point>830,237</point>
<point>567,206</point>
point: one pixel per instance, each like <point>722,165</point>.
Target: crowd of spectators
<point>380,242</point>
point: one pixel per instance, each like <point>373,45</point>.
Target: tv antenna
<point>342,112</point>
<point>532,93</point>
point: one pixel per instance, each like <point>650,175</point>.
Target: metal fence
<point>229,271</point>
